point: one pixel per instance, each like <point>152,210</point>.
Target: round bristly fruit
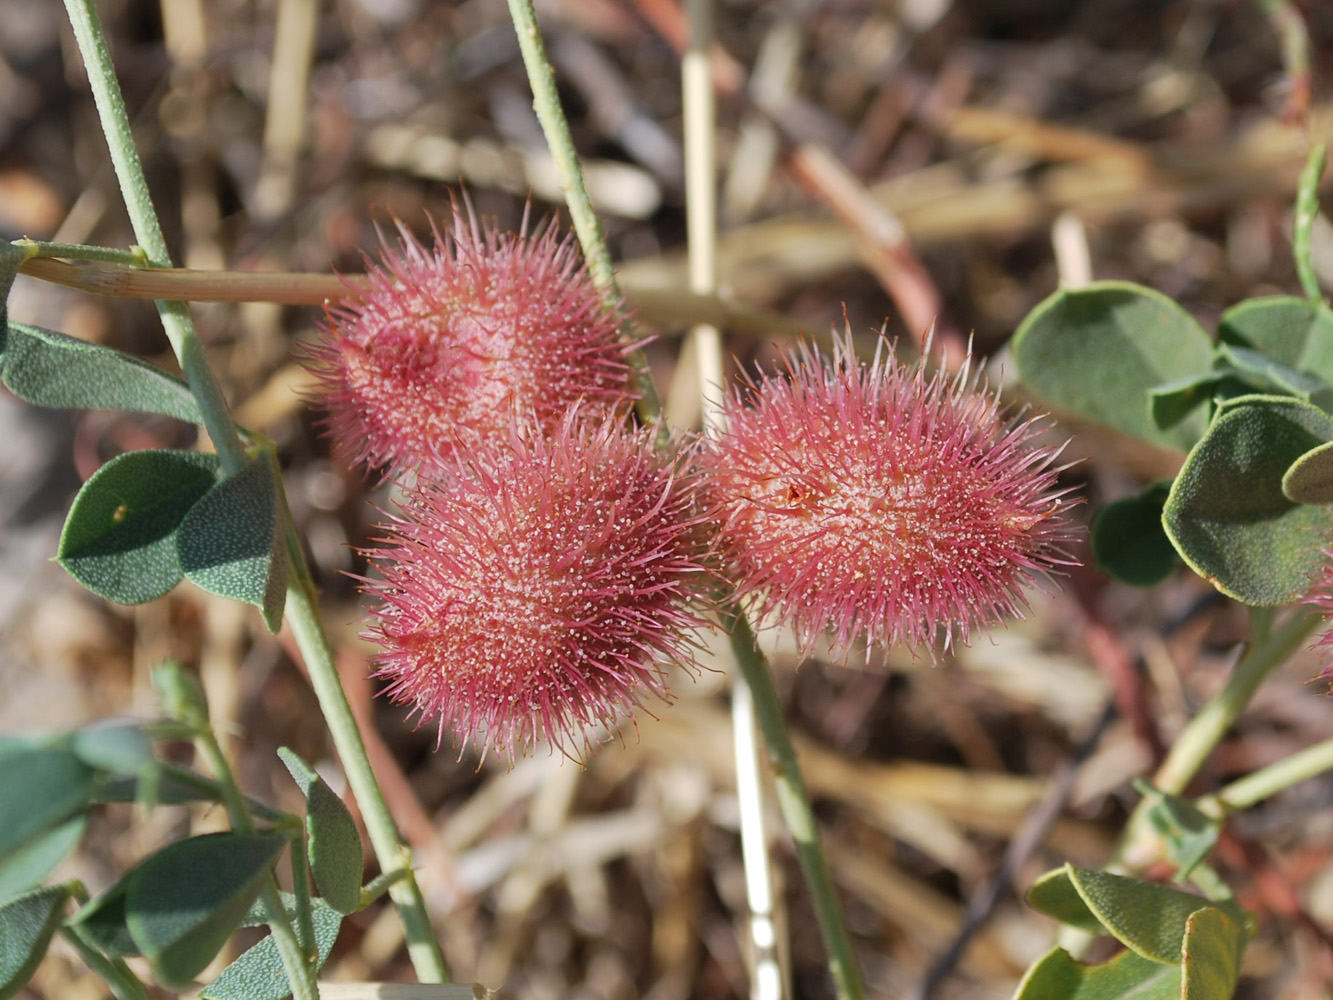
<point>447,346</point>
<point>880,503</point>
<point>541,593</point>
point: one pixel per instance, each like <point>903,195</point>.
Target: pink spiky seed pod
<point>543,591</point>
<point>447,345</point>
<point>880,503</point>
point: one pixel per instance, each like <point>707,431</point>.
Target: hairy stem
<point>175,316</point>
<point>1268,781</point>
<point>555,126</point>
<point>392,854</point>
<point>796,810</point>
<point>1200,737</point>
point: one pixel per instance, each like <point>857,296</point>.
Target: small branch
<point>1267,781</point>
<point>115,275</point>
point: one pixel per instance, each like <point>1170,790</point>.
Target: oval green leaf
<point>40,788</point>
<point>1211,960</point>
<point>1227,514</point>
<point>25,868</point>
<point>333,842</point>
<point>61,372</point>
<point>258,974</point>
<point>1129,542</point>
<point>1295,332</point>
<point>182,903</point>
<point>117,746</point>
<point>119,540</point>
<point>1099,351</point>
<point>231,542</point>
<point>27,925</point>
<point>1310,477</point>
<point>1056,976</point>
<point>1146,918</point>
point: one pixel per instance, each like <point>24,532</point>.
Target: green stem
<point>303,617</point>
<point>300,972</point>
<point>796,809</point>
<point>124,984</point>
<point>1270,780</point>
<point>305,917</point>
<point>551,115</point>
<point>175,316</point>
<point>1198,739</point>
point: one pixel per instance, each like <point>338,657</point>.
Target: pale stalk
<point>701,230</point>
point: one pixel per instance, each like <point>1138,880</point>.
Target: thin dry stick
<point>701,228</point>
<point>657,306</point>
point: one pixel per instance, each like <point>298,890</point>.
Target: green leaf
<point>27,925</point>
<point>1227,514</point>
<point>1294,332</point>
<point>1100,350</point>
<point>258,974</point>
<point>1128,976</point>
<point>1129,542</point>
<point>1310,477</point>
<point>231,542</point>
<point>1172,402</point>
<point>114,745</point>
<point>1265,375</point>
<point>1055,895</point>
<point>53,370</point>
<point>1212,951</point>
<point>102,921</point>
<point>1146,918</point>
<point>41,787</point>
<point>182,903</point>
<point>119,540</point>
<point>25,868</point>
<point>1187,832</point>
<point>334,845</point>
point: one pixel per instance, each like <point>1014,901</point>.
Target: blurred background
<point>287,135</point>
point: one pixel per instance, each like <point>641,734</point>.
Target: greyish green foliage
<point>62,372</point>
<point>1227,514</point>
<point>231,542</point>
<point>121,536</point>
<point>178,906</point>
<point>1179,944</point>
<point>333,842</point>
<point>1098,352</point>
<point>27,924</point>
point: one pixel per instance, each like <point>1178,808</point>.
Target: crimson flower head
<point>881,503</point>
<point>543,590</point>
<point>447,345</point>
